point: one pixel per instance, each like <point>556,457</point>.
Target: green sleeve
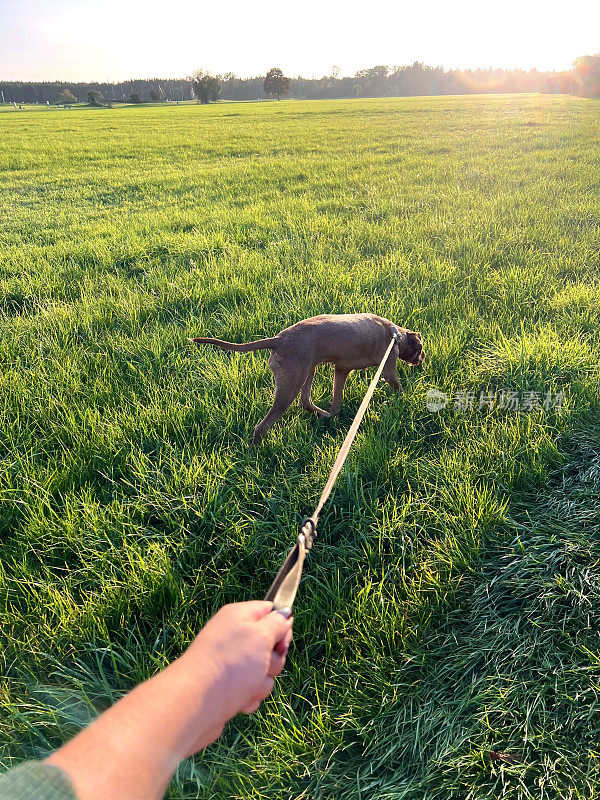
<point>34,780</point>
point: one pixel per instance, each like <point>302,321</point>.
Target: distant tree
<point>67,97</point>
<point>586,70</point>
<point>135,98</point>
<point>206,87</point>
<point>373,82</point>
<point>154,95</point>
<point>276,83</point>
<point>559,83</point>
<point>95,98</point>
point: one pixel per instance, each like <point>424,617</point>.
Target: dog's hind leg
<point>288,383</point>
<point>305,401</point>
<point>339,381</point>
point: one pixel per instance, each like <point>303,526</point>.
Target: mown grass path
<point>449,612</point>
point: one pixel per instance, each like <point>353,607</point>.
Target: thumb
<point>277,626</point>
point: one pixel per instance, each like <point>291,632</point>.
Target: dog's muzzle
<point>419,359</point>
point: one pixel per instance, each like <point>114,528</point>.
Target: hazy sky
<point>117,39</point>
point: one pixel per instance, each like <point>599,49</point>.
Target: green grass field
<point>450,609</point>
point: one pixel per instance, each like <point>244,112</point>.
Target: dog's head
<point>411,349</point>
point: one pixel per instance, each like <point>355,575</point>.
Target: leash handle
<point>283,589</point>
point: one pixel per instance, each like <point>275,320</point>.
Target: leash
<point>284,587</point>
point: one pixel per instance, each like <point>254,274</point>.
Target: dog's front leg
<point>339,381</point>
<point>389,373</point>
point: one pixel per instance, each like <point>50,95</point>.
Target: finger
<point>264,691</point>
<point>266,688</point>
<point>256,609</point>
<point>251,707</point>
<point>277,626</point>
<point>282,645</point>
<point>276,664</point>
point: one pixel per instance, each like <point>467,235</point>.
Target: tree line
<point>169,89</point>
<point>378,81</point>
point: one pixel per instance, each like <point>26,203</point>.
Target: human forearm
<point>133,749</point>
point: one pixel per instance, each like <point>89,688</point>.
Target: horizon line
<point>296,77</point>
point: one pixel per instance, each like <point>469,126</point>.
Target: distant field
<point>446,636</point>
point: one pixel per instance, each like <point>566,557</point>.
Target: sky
<point>112,40</point>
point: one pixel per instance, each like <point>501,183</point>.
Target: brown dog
<point>350,341</point>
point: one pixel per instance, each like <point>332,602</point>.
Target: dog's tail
<point>261,344</point>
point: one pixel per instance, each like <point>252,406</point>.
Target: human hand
<point>243,648</point>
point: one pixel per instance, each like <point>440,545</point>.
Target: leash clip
<point>308,532</point>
